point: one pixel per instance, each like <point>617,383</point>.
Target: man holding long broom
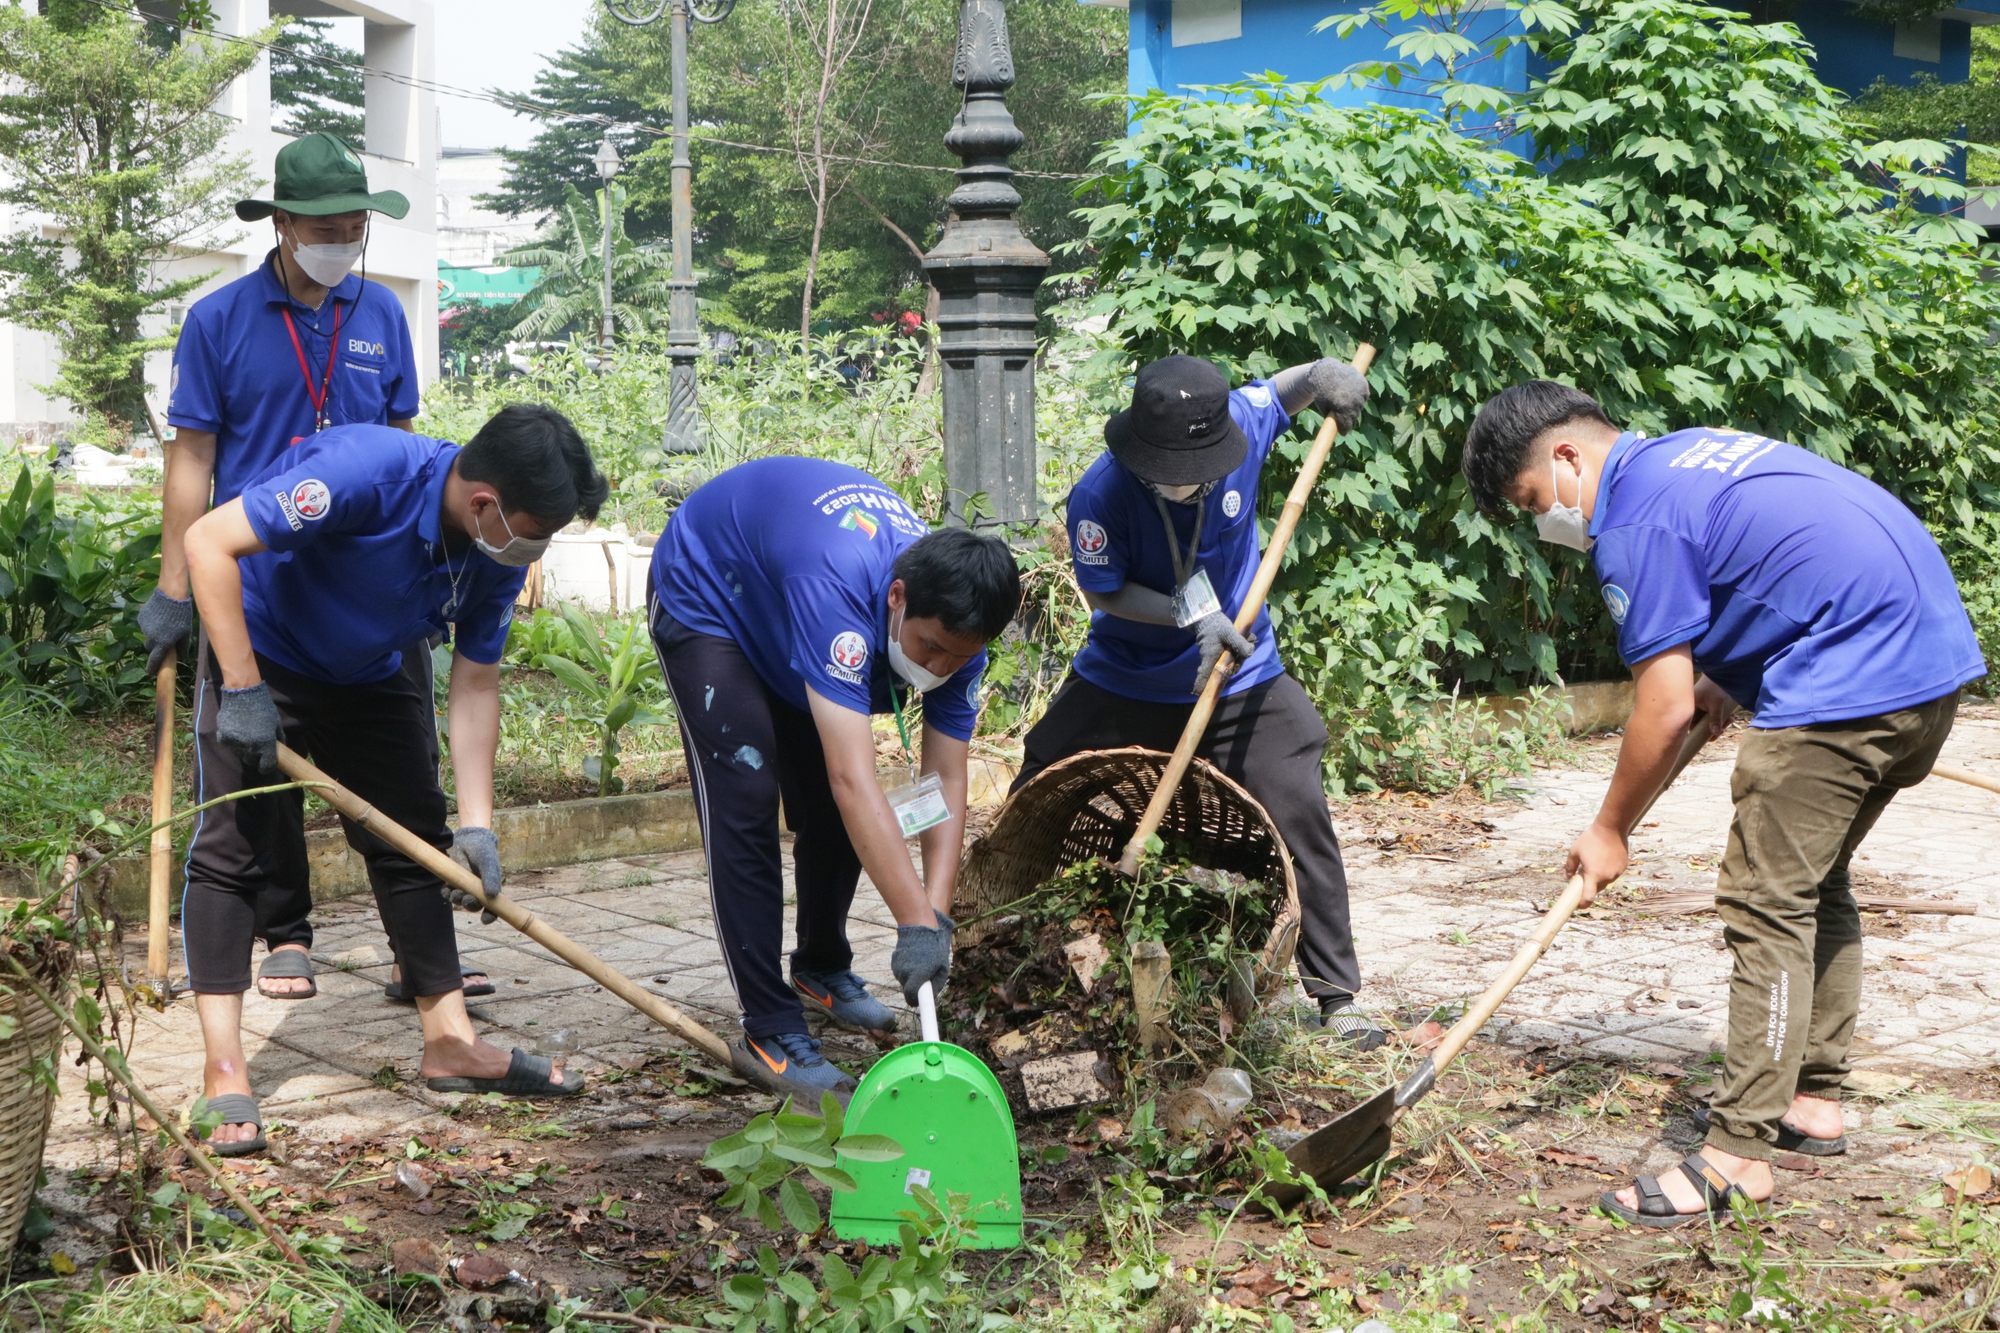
<point>1812,596</point>
<point>360,541</point>
<point>1163,540</point>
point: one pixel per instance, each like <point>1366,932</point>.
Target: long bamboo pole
<point>1246,616</point>
<point>1965,775</point>
<point>299,769</point>
<point>158,953</point>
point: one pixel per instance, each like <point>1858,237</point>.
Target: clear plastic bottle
<point>1208,1107</point>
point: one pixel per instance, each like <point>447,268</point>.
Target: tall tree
<point>576,91</point>
<point>316,83</point>
<point>755,215</point>
<point>113,142</point>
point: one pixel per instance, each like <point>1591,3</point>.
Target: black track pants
<point>749,752</point>
<point>1270,739</point>
<point>247,870</point>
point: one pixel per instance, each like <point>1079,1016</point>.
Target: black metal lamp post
<point>683,334</point>
<point>607,166</point>
<point>986,273</point>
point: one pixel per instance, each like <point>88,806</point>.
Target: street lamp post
<point>607,167</point>
<point>683,334</point>
<point>986,272</point>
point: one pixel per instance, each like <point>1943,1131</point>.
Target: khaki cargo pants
<point>1805,798</point>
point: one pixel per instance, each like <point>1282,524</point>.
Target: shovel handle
<point>1531,953</point>
<point>927,1011</point>
<point>366,816</point>
<point>160,869</point>
<point>1246,616</point>
<point>1965,775</point>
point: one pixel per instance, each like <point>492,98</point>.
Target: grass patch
<point>205,1289</point>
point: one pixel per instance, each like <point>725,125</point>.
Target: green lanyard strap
<point>909,752</point>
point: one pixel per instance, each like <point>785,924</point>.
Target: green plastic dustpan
<point>943,1105</point>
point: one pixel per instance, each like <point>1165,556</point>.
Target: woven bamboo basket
<point>1087,806</point>
<point>25,1104</point>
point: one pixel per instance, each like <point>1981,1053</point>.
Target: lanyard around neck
<point>1182,573</point>
<point>318,399</point>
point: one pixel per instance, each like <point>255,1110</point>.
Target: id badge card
<point>1195,599</point>
<point>919,804</point>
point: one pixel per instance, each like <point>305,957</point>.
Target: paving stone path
<point>1432,930</point>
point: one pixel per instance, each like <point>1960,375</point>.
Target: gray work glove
<point>166,623</point>
<point>247,722</point>
<point>1214,632</point>
<point>478,851</point>
<point>1329,385</point>
<point>923,954</point>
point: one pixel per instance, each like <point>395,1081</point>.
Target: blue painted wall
<point>1277,35</point>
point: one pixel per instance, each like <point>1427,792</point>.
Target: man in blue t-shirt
<point>310,583</point>
<point>793,599</point>
<point>1164,542</point>
<point>297,345</point>
<point>1810,596</point>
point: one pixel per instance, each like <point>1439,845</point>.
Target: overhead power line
<point>542,111</point>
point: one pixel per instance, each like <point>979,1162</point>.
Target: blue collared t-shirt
<point>237,375</point>
<point>1116,536</point>
<point>357,568</point>
<point>1809,593</point>
<point>792,559</point>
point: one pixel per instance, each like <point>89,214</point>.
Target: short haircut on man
<point>965,581</point>
<point>538,463</point>
<point>1497,446</point>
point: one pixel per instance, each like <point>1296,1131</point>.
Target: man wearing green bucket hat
<point>297,345</point>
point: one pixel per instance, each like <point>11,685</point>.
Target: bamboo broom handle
<point>162,847</point>
<point>1246,616</point>
<point>507,909</point>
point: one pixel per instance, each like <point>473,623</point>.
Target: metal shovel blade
<point>1335,1151</point>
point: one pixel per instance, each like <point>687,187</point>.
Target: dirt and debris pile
<point>1093,972</point>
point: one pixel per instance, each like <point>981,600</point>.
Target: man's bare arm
<point>183,498</point>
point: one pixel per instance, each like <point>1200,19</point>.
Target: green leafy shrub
<point>72,578</point>
<point>767,1153</point>
<point>1714,246</point>
<point>611,673</point>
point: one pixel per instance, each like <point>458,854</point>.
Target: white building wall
<point>400,154</point>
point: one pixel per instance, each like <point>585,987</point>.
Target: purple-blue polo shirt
<point>356,568</point>
<point>792,558</point>
<point>1116,537</point>
<point>1809,593</point>
<point>237,376</point>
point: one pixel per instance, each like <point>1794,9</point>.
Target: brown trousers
<point>1805,798</point>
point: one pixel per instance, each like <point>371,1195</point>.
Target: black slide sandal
<point>1657,1211</point>
<point>235,1108</point>
<point>527,1076</point>
<point>1789,1139</point>
<point>288,965</point>
<point>393,990</point>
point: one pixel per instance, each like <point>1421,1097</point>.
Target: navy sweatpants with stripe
<point>750,753</point>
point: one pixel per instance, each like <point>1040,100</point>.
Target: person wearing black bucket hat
<point>1164,543</point>
<point>297,345</point>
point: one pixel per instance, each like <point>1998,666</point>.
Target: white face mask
<point>1562,524</point>
<point>327,265</point>
<point>517,552</point>
<point>913,675</point>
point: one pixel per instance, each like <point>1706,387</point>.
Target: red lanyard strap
<point>318,399</point>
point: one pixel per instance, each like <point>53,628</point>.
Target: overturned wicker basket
<point>1087,806</point>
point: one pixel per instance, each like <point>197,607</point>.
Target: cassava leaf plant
<point>1707,243</point>
<point>766,1154</point>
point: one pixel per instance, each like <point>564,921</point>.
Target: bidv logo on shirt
<point>846,656</point>
<point>305,502</point>
<point>1617,601</point>
<point>1232,504</point>
<point>1090,543</point>
<point>362,347</point>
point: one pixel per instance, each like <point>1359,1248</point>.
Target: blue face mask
<point>1562,524</point>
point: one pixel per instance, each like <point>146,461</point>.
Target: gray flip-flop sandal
<point>237,1108</point>
<point>393,990</point>
<point>527,1076</point>
<point>288,965</point>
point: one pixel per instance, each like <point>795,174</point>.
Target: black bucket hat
<point>1178,431</point>
<point>318,176</point>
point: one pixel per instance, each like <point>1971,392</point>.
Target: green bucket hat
<point>319,175</point>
